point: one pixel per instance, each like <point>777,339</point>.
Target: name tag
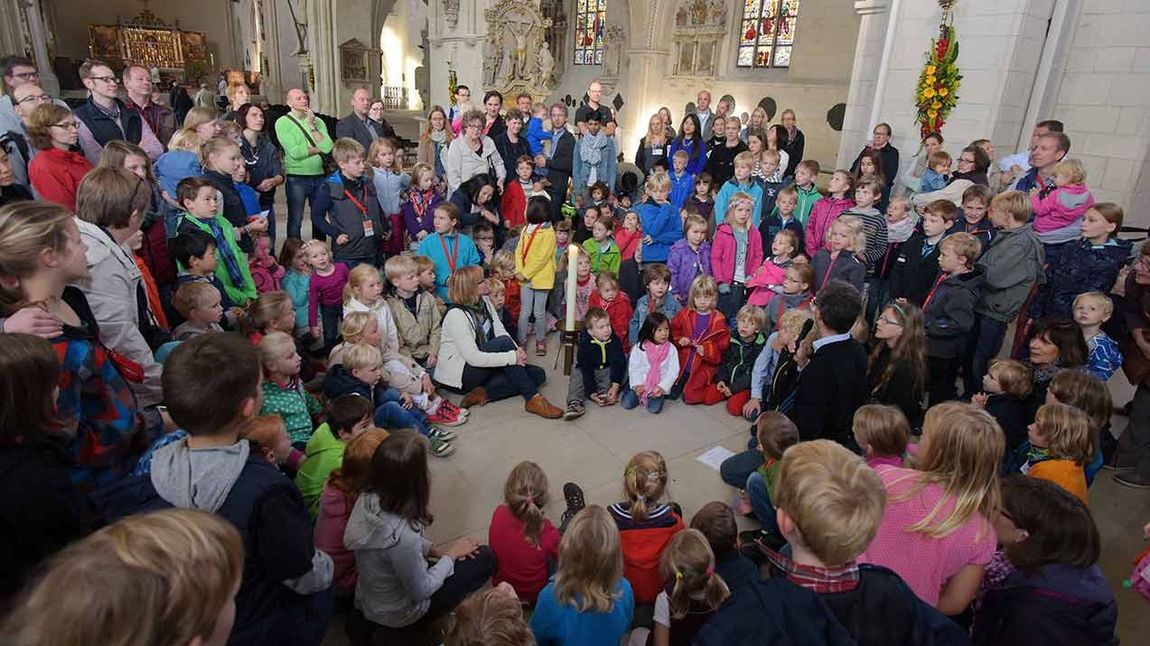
<point>657,152</point>
<point>369,228</point>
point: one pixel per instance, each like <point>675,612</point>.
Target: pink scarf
<point>656,355</point>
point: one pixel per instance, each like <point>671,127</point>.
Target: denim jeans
<point>761,506</point>
<point>736,469</point>
<point>631,400</point>
<point>533,301</point>
<point>984,343</point>
<point>504,381</point>
<point>391,415</point>
<point>301,189</point>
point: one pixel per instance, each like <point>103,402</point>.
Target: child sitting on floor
<point>653,365</point>
<point>199,304</point>
<point>733,379</point>
<point>645,524</point>
<point>525,543</point>
<point>1061,443</point>
<point>283,392</point>
<point>701,335</point>
<point>417,320</point>
<point>600,365</point>
<point>882,432</point>
<point>347,418</point>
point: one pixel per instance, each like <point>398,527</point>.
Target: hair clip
<point>710,571</point>
<point>530,500</point>
<point>678,574</point>
<point>897,308</point>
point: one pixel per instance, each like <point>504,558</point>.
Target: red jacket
<point>620,310</point>
<point>724,248</point>
<point>513,204</point>
<point>55,175</point>
<point>704,362</point>
<point>511,300</point>
<point>628,242</point>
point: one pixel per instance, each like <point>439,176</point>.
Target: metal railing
<point>394,97</point>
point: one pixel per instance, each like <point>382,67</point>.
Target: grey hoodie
<point>395,583</point>
<point>202,479</point>
<point>1011,265</point>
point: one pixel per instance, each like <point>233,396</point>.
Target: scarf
<point>900,231</point>
<point>231,264</point>
<point>1035,455</point>
<point>591,148</point>
<point>656,355</point>
<point>438,136</point>
<point>419,203</point>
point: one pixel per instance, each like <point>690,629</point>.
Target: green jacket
<point>238,294</point>
<point>295,145</point>
<point>608,260</point>
<point>324,455</point>
<point>806,202</point>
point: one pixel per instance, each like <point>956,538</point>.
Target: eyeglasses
<point>67,125</point>
<point>964,160</point>
<point>106,79</point>
<point>38,98</point>
<point>889,321</point>
<point>26,75</point>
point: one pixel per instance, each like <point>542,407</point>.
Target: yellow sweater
<point>535,255</point>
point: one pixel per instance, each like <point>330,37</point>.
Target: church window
<point>590,16</point>
<point>768,33</point>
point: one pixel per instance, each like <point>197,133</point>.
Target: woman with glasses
<point>55,173</point>
<point>472,153</point>
<point>880,141</point>
<point>263,161</point>
<point>896,371</point>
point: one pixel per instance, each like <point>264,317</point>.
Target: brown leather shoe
<point>477,397</point>
<point>543,408</point>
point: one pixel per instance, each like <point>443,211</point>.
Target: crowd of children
<point>309,388</point>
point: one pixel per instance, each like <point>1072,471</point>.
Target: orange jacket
<point>1065,474</point>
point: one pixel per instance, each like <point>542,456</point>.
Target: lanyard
<point>827,277</point>
<point>527,245</point>
<point>450,256</point>
<point>930,295</point>
<point>359,205</point>
<point>783,308</point>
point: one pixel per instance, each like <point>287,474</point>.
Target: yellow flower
<point>930,69</point>
<point>928,93</point>
<point>936,105</point>
<point>932,113</point>
<point>943,91</point>
<point>930,79</point>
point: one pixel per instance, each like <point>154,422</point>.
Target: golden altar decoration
<point>148,41</point>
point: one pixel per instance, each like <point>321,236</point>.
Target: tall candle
<point>572,261</point>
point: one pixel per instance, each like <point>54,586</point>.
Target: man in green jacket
<point>304,140</point>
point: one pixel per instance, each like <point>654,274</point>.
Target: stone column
<point>37,38</point>
<point>864,77</point>
<point>460,44</point>
<point>323,54</point>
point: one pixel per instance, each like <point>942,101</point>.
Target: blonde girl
<point>688,564</point>
<point>735,253</point>
<point>843,260</point>
<point>689,257</point>
<point>390,183</point>
<point>647,523</point>
<point>182,160</point>
<point>589,595</point>
<point>882,432</point>
<point>524,541</point>
<point>419,208</point>
<point>701,335</point>
<point>271,312</point>
<point>282,389</point>
<point>827,209</point>
<point>1061,444</point>
<point>356,327</point>
<point>936,532</point>
<point>168,577</point>
<point>325,292</point>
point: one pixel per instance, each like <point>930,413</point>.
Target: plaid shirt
<point>817,579</point>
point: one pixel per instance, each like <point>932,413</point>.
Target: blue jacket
<point>669,308</point>
<point>1080,267</point>
<point>772,611</point>
<point>681,188</point>
<point>175,165</point>
<point>695,165</point>
<point>536,135</point>
<point>457,244</point>
<point>752,188</point>
<point>662,223</point>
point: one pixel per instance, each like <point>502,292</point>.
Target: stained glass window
<point>590,16</point>
<point>768,33</point>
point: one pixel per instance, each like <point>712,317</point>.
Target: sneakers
<point>741,504</point>
<point>447,415</point>
<point>440,433</point>
<point>574,410</point>
<point>541,348</point>
<point>439,447</point>
<point>573,496</point>
<point>543,408</point>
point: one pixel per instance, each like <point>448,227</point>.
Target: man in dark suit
<point>358,125</point>
<point>556,163</point>
<point>832,386</point>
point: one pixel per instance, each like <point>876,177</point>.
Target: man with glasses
<point>25,98</point>
<point>16,71</point>
<point>104,117</point>
<point>158,117</point>
<point>557,164</point>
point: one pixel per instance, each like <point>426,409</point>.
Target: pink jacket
<point>823,215</point>
<point>723,249</point>
<point>329,527</point>
<point>767,275</point>
<point>1060,207</point>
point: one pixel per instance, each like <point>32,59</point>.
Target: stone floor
<point>593,450</point>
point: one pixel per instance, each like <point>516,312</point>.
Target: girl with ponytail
<point>525,543</point>
<point>645,524</point>
<point>693,591</point>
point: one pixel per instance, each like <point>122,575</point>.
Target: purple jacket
<point>685,264</point>
<point>414,223</point>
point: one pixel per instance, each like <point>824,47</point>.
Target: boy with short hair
<point>347,418</point>
<point>657,282</point>
<point>425,268</point>
<point>948,312</point>
<point>916,267</point>
<point>805,174</point>
<point>784,216</point>
<point>524,186</point>
<point>1011,266</point>
<point>1091,311</point>
<point>348,211</point>
<point>975,202</point>
<point>682,182</point>
<point>772,181</point>
<point>733,380</point>
<point>198,197</point>
<point>830,505</point>
<point>937,174</point>
<point>600,365</point>
<point>741,182</point>
<point>199,304</point>
<point>211,388</point>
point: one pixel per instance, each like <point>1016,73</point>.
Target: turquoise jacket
<point>437,247</point>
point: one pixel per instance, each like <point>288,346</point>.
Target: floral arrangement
<point>937,90</point>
